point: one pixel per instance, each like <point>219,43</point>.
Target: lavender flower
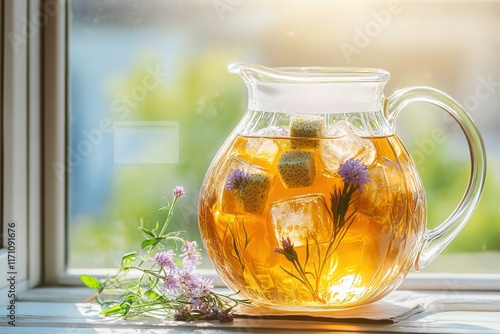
<point>172,283</point>
<point>189,247</point>
<point>205,286</point>
<point>179,192</point>
<point>225,316</point>
<point>353,172</point>
<point>203,306</point>
<point>182,314</point>
<point>237,179</point>
<point>165,259</point>
<point>286,245</point>
<point>287,249</point>
<point>191,255</point>
<point>189,281</point>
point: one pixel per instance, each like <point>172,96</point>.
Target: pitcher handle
<point>438,238</point>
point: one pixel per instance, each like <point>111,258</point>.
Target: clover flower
<point>179,192</point>
<point>189,281</point>
<point>353,172</point>
<point>172,283</point>
<point>237,179</point>
<point>165,259</point>
<point>191,255</point>
<point>205,286</point>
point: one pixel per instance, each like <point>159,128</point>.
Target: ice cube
<point>263,149</point>
<point>344,145</point>
<point>262,145</point>
<point>248,192</point>
<point>384,197</point>
<point>272,132</point>
<point>301,218</point>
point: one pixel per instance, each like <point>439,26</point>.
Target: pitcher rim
<point>309,73</point>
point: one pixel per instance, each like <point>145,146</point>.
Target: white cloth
<point>397,306</point>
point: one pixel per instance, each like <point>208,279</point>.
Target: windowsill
<point>61,310</point>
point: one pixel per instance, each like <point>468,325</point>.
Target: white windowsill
<point>62,310</point>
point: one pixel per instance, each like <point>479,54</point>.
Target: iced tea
<point>283,227</point>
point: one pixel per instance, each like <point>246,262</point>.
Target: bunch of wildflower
<point>182,284</point>
<point>168,283</point>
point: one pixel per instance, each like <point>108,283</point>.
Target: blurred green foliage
<point>208,102</point>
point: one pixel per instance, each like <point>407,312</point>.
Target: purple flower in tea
<point>285,244</point>
<point>237,179</point>
<point>179,192</point>
<point>287,249</point>
<point>353,172</point>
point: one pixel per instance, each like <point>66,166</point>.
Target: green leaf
<point>129,299</point>
<point>91,282</point>
<point>246,237</point>
<point>151,295</point>
<point>125,307</point>
<point>151,242</point>
<point>117,309</point>
<point>307,252</point>
<point>293,275</point>
<point>167,206</point>
<point>146,231</point>
<point>128,259</point>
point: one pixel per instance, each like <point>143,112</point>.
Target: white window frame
<point>34,185</point>
<point>55,105</point>
<point>21,162</point>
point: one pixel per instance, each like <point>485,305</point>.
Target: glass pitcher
<point>313,201</point>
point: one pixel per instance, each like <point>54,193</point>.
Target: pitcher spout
<point>312,90</point>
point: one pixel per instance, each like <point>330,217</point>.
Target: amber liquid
<point>371,259</point>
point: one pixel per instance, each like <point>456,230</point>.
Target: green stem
<point>167,220</point>
<point>339,222</point>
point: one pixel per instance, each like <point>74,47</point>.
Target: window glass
<point>151,101</point>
